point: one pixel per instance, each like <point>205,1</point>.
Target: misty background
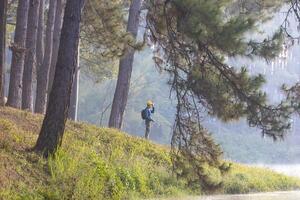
<point>239,142</point>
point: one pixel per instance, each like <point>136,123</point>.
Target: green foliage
<point>94,163</point>
<point>104,27</point>
<point>103,37</point>
<point>250,179</point>
<point>220,96</point>
<point>100,163</point>
<point>193,38</point>
<point>95,66</point>
<point>269,48</point>
<point>106,166</point>
<point>204,22</point>
<point>199,66</point>
<point>259,10</point>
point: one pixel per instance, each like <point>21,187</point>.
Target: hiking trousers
<point>147,132</point>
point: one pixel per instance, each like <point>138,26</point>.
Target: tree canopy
<point>192,40</point>
<point>103,37</point>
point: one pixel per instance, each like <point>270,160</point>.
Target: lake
<point>293,195</point>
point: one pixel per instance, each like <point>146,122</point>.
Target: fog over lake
<point>292,195</point>
<point>263,196</point>
<point>290,170</point>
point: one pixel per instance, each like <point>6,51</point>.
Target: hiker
<point>146,115</point>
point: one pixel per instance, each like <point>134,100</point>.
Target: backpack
<point>144,113</point>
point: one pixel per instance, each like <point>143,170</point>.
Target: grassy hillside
<point>101,163</point>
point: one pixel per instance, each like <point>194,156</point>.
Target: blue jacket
<point>149,112</point>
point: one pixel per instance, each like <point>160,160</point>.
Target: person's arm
<point>153,110</point>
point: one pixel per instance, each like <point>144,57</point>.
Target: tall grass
<point>100,163</point>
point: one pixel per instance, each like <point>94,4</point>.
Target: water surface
<point>295,195</point>
<point>292,195</point>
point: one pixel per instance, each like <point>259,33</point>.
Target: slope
<point>101,163</point>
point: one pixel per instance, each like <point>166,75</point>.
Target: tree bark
<point>40,35</point>
<point>125,70</point>
<point>3,15</point>
<point>59,15</point>
<point>18,56</point>
<point>43,71</point>
<point>30,57</point>
<point>50,137</point>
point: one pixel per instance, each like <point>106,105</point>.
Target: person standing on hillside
<point>146,115</point>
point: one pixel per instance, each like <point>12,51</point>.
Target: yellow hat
<point>149,103</point>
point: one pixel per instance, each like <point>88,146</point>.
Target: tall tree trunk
<point>30,57</point>
<point>43,71</point>
<point>59,15</point>
<point>53,126</point>
<point>40,35</point>
<point>18,56</point>
<point>125,70</point>
<point>3,15</point>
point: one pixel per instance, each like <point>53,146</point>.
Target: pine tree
<point>51,135</point>
<point>30,57</point>
<point>43,70</point>
<point>18,55</point>
<point>40,47</point>
<point>3,15</point>
<point>104,37</point>
<point>125,69</point>
<point>292,13</point>
<point>59,15</point>
<point>192,40</point>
